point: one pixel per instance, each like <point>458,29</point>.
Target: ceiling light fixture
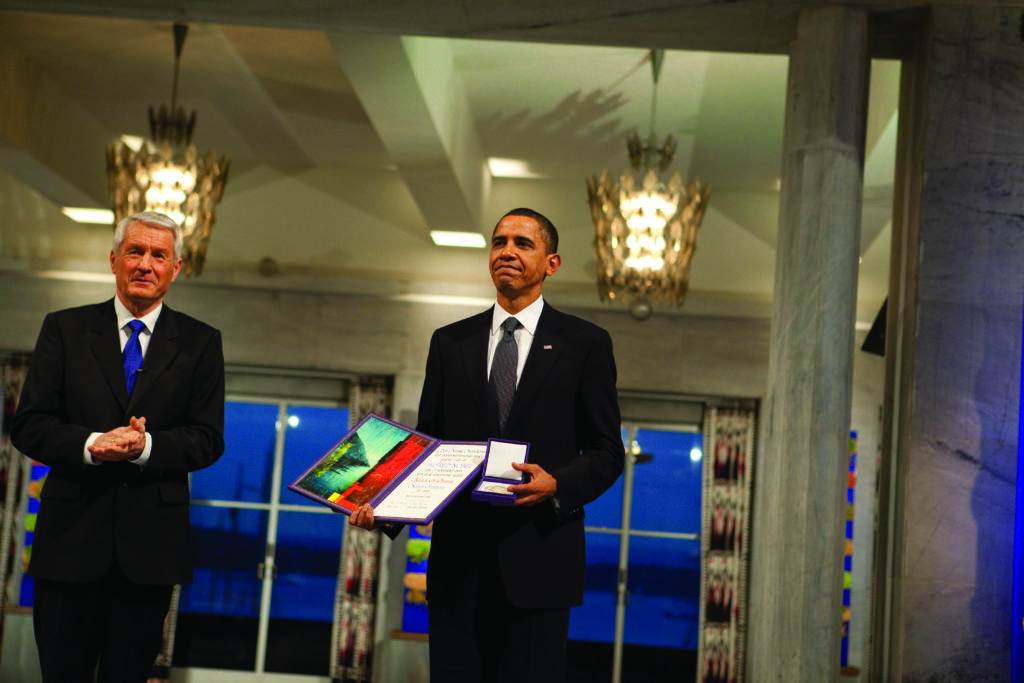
<point>511,168</point>
<point>81,214</point>
<point>166,173</point>
<point>646,228</point>
<point>455,238</point>
<point>444,300</point>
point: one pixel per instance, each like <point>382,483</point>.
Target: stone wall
<point>955,573</point>
<point>709,356</point>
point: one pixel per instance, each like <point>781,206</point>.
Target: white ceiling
<point>347,148</point>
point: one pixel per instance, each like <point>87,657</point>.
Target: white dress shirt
<point>124,317</point>
<point>528,318</point>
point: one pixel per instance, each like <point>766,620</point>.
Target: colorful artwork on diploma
<point>364,462</point>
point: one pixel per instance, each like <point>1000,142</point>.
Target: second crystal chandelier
<point>645,227</point>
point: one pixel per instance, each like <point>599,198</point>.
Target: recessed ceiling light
<point>74,276</point>
<point>86,215</point>
<point>444,299</point>
<point>454,238</point>
<point>511,168</point>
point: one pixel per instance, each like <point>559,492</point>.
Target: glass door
<point>266,559</point>
<point>639,620</point>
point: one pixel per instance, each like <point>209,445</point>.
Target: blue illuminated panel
<point>1016,655</point>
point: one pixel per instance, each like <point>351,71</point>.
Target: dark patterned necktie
<point>503,371</point>
<point>133,354</point>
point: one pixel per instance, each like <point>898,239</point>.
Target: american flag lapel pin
<point>548,347</point>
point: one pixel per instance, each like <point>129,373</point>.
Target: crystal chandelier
<point>646,227</point>
<point>166,173</point>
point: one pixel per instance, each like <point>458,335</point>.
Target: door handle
<point>261,570</point>
<point>623,588</point>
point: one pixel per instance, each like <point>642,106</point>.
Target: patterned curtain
<point>355,601</point>
<point>725,543</point>
<point>13,369</point>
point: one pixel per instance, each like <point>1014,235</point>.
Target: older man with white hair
<point>123,399</point>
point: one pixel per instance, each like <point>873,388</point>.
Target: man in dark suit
<point>501,580</point>
<point>112,532</point>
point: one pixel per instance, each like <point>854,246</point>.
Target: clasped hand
<point>123,443</point>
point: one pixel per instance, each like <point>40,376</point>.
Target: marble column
<point>958,451</point>
<point>796,573</point>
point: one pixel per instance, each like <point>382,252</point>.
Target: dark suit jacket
<point>92,516</point>
<point>566,407</point>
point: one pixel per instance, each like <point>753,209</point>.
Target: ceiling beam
<point>416,103</point>
<point>738,26</point>
<point>47,140</point>
<point>253,112</point>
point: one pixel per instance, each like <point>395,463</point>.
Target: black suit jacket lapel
<point>163,348</point>
<point>544,352</point>
<point>474,354</point>
<point>106,347</point>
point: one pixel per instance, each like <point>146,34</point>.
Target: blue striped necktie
<point>503,371</point>
<point>133,354</point>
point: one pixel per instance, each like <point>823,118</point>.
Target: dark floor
<point>592,663</point>
<point>301,647</point>
<point>293,646</point>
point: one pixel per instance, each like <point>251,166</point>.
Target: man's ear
<point>554,263</point>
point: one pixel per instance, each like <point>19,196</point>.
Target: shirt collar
<point>528,317</point>
<point>124,316</point>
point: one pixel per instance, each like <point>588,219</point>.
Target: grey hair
<point>157,220</point>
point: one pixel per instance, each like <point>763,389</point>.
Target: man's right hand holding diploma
<point>363,517</point>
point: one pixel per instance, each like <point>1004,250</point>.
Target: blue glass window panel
<point>594,620</point>
<point>243,472</point>
<point>606,510</point>
<point>667,489</point>
<point>228,546</point>
<point>307,558</point>
<point>663,609</point>
<point>312,431</point>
